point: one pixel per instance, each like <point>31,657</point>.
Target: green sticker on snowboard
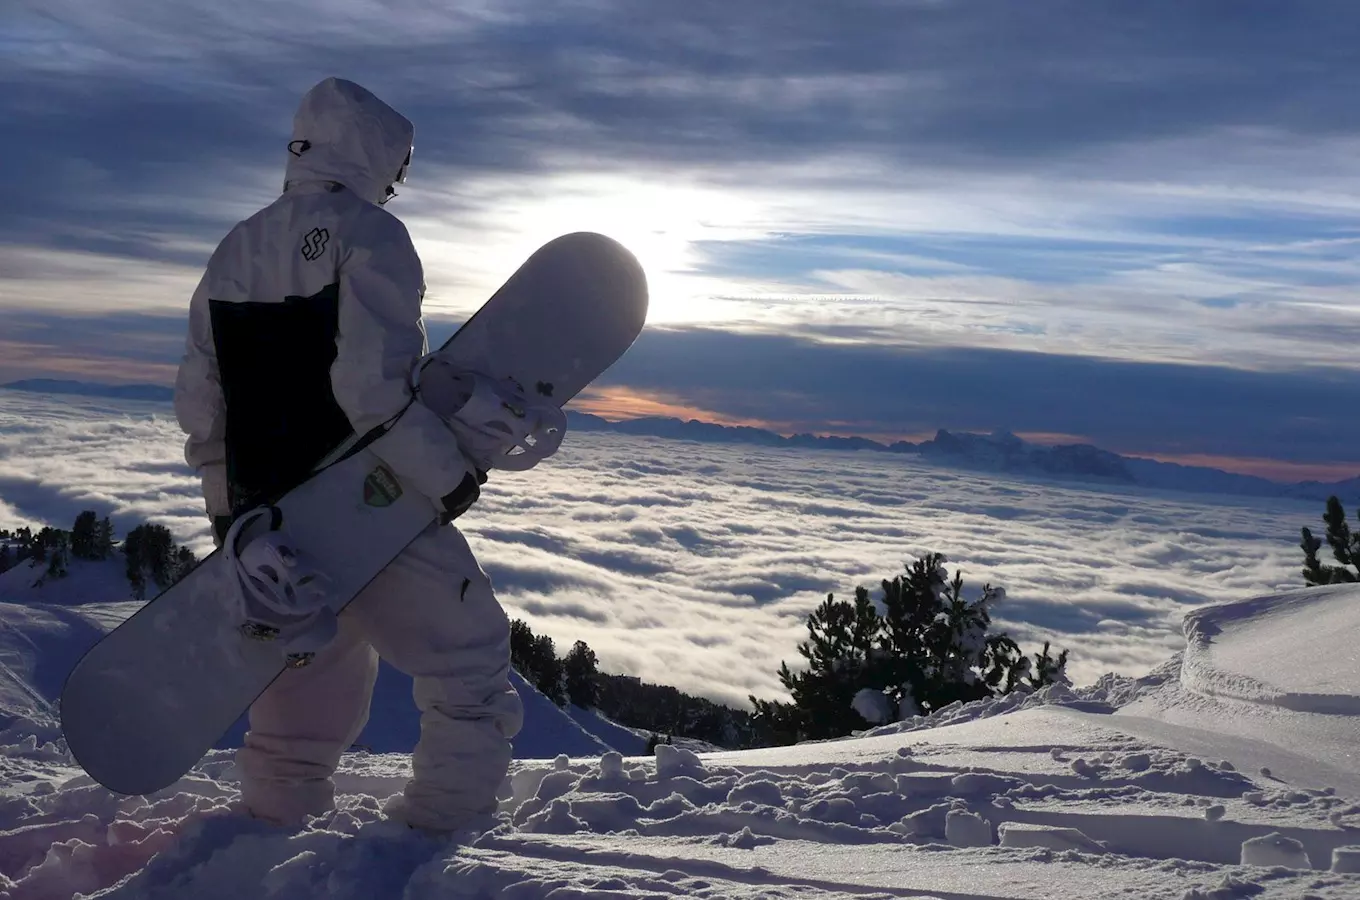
<point>381,487</point>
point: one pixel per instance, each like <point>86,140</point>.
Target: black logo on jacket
<point>314,244</point>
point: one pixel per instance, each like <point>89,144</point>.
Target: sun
<point>663,222</point>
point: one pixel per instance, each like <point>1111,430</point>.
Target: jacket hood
<point>343,133</point>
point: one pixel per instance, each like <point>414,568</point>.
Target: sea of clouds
<point>696,564</point>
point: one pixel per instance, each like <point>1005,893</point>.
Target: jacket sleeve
<point>199,406</point>
<point>380,337</point>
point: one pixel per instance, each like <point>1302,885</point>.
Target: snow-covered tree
<point>1345,546</point>
<point>1048,670</point>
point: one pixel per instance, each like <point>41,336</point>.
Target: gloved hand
<point>460,499</point>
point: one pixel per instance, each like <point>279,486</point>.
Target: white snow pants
<point>433,615</point>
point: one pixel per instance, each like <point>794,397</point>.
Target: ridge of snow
<point>1231,650</point>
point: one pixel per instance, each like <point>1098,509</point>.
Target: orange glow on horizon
<point>617,403</point>
<point>19,360</point>
<point>1273,469</point>
<point>624,403</point>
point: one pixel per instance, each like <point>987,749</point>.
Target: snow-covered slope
<point>86,582</point>
<point>1139,788</point>
<point>47,623</point>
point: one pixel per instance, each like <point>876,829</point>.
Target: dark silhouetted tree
<point>582,673</point>
<point>83,535</point>
<point>929,647</point>
<point>153,558</point>
<point>521,647</point>
<point>103,539</point>
<point>839,652</point>
<point>1345,546</point>
<point>548,674</point>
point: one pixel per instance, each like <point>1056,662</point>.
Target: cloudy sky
<point>1130,224</point>
<point>696,565</point>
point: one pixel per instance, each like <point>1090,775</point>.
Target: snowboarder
<point>302,334</point>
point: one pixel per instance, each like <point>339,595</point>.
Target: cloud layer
<point>696,565</point>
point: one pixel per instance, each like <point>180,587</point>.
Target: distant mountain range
<point>999,452</point>
<point>150,392</point>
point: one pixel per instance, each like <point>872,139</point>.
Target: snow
<point>1225,647</point>
<point>1224,773</point>
<point>1346,859</point>
<point>1275,849</point>
<point>872,705</point>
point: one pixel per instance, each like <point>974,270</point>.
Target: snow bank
<point>1295,650</point>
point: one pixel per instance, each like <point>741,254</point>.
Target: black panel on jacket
<point>275,364</point>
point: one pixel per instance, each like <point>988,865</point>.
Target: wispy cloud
<point>696,565</point>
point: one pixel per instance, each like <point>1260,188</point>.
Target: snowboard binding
<point>499,425</point>
<point>282,594</point>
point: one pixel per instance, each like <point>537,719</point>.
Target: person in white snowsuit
<point>302,334</point>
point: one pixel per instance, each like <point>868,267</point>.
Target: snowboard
<point>145,704</point>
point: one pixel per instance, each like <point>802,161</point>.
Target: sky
<point>1126,224</point>
<point>696,565</point>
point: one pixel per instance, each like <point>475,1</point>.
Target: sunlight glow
<point>660,222</point>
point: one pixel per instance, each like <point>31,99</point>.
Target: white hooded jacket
<point>305,325</point>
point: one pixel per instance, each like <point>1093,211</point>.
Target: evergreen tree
<point>929,648</point>
<point>1345,546</point>
<point>1048,670</point>
<point>839,652</point>
<point>56,562</point>
<point>153,557</point>
<point>521,648</point>
<point>6,558</point>
<point>83,535</point>
<point>103,539</point>
<point>581,670</point>
<point>547,670</point>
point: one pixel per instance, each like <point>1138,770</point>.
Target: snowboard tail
<point>144,704</point>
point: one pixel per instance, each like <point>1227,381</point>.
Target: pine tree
<point>6,558</point>
<point>83,535</point>
<point>547,670</point>
<point>581,670</point>
<point>1345,546</point>
<point>839,652</point>
<point>103,539</point>
<point>1048,670</point>
<point>521,648</point>
<point>930,647</point>
<point>153,556</point>
<point>56,548</point>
